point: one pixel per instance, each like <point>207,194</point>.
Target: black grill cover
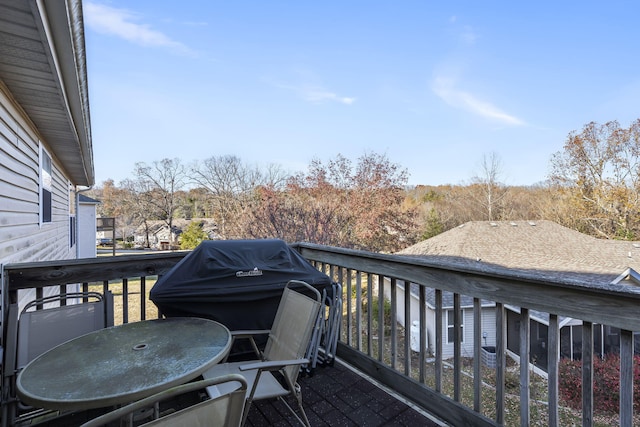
<point>235,282</point>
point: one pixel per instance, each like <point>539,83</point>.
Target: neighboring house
<point>86,242</point>
<point>160,237</point>
<point>46,152</point>
<point>466,306</point>
<point>549,249</point>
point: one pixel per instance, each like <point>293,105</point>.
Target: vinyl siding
<point>488,317</point>
<point>22,238</point>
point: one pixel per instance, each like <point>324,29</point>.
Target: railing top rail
<point>48,273</point>
<point>573,295</point>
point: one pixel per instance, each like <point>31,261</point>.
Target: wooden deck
<point>333,396</point>
<point>338,396</point>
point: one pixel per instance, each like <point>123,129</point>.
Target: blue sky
<point>434,86</point>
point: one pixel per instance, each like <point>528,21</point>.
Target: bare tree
<point>231,185</point>
<point>599,174</point>
<point>158,185</point>
<point>486,189</point>
<point>139,207</point>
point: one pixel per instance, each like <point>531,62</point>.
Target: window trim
<point>450,326</point>
<point>44,182</point>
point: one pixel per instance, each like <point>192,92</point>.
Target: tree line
<point>593,187</point>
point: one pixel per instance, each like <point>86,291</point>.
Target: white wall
<point>87,230</point>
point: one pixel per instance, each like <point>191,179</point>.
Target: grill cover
<point>235,282</point>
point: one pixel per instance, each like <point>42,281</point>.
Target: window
<point>46,187</point>
<point>450,326</point>
<point>72,215</point>
<point>72,231</point>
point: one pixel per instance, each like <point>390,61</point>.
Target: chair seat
<point>268,386</point>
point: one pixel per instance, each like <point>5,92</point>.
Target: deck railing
<point>379,292</point>
<point>459,389</point>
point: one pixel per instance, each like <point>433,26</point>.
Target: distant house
<point>466,305</point>
<point>46,153</point>
<point>86,226</point>
<point>549,249</point>
<point>158,236</point>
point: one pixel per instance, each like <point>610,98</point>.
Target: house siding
<point>86,238</point>
<point>488,319</point>
<point>22,237</point>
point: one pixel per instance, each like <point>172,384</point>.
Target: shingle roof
<point>533,245</point>
<point>540,248</point>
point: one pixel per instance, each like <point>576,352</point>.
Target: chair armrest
<point>272,365</point>
<point>249,332</point>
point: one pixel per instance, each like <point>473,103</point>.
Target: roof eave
<point>62,31</point>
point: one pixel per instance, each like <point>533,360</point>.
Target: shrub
<point>192,236</point>
<point>606,383</point>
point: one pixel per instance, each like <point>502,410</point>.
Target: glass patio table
<point>123,363</point>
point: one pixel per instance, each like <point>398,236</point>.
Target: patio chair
<point>224,410</point>
<point>41,330</point>
<point>34,331</point>
<point>283,355</point>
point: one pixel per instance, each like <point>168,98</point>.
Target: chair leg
<point>297,392</point>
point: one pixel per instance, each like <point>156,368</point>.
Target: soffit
<point>42,63</point>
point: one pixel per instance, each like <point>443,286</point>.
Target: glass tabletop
<point>124,363</point>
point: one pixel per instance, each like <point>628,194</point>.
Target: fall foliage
<point>593,187</point>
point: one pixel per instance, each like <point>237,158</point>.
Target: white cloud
<point>445,89</point>
<point>317,94</point>
<point>121,23</point>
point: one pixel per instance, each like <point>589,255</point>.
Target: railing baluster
<point>501,348</point>
<point>477,346</point>
<point>63,291</point>
<point>125,300</point>
<point>407,328</point>
<point>626,378</point>
<point>525,345</point>
<point>381,314</point>
<point>457,343</point>
<point>359,310</point>
<point>439,343</point>
<point>39,295</point>
<point>423,335</point>
<point>143,298</point>
<point>394,322</point>
<point>587,374</point>
<point>369,315</point>
<point>553,356</point>
<point>348,298</point>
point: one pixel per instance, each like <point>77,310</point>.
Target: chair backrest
<point>293,325</point>
<point>41,330</point>
<point>224,410</point>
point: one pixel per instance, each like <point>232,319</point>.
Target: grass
<point>134,301</point>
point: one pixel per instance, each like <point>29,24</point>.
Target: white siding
<point>21,236</point>
<point>86,239</point>
<point>488,317</point>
